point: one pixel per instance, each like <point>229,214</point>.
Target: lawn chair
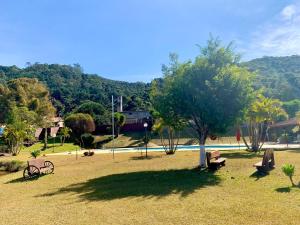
<point>36,167</point>
<point>267,162</point>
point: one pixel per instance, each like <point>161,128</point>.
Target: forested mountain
<point>279,75</point>
<point>70,87</point>
<point>280,78</point>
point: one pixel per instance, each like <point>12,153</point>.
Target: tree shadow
<point>145,184</point>
<point>143,157</point>
<point>239,155</point>
<point>258,175</point>
<point>22,180</point>
<point>283,190</point>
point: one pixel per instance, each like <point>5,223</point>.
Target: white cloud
<point>279,36</point>
<point>288,12</point>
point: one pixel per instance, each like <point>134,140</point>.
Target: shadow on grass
<point>239,155</point>
<point>143,157</point>
<point>22,180</point>
<point>145,184</point>
<point>283,190</point>
<point>258,175</point>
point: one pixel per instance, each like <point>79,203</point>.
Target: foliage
<point>291,107</point>
<point>64,133</point>
<point>100,115</point>
<point>289,170</point>
<point>12,166</point>
<point>167,119</point>
<point>278,76</point>
<point>35,153</point>
<point>88,141</point>
<point>80,123</point>
<point>31,95</point>
<point>211,92</point>
<point>70,86</point>
<point>119,121</point>
<point>262,112</point>
<point>20,127</point>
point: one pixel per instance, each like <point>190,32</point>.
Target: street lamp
<point>146,138</point>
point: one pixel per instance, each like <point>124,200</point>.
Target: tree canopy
<point>210,92</point>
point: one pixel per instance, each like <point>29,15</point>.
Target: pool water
<point>192,147</point>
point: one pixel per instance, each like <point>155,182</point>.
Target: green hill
<point>280,76</point>
<point>69,86</point>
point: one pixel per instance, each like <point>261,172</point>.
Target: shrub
<point>80,123</point>
<point>12,166</point>
<point>289,170</point>
<point>88,141</point>
<point>35,153</point>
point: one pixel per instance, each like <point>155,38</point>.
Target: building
<point>277,130</point>
<point>135,120</point>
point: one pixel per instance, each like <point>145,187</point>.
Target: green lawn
<point>67,147</point>
<point>159,190</point>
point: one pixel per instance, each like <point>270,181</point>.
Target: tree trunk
<point>46,139</point>
<point>291,179</point>
<point>202,139</point>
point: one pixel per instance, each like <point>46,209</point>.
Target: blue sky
<point>130,39</point>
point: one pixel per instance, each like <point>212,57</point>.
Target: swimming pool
<point>187,147</point>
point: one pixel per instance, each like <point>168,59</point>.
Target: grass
<point>67,147</point>
<point>159,190</point>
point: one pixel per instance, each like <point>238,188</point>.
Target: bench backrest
<point>213,155</point>
<point>39,163</point>
<point>268,159</point>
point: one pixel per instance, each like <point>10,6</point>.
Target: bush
<point>35,153</point>
<point>12,166</point>
<point>80,123</point>
<point>88,141</point>
<point>289,170</point>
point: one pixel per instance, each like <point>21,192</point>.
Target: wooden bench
<point>36,167</point>
<point>214,160</point>
<point>267,162</point>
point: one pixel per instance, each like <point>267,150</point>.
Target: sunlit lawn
<point>159,190</point>
<point>52,148</point>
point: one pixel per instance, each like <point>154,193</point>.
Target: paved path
<point>221,147</point>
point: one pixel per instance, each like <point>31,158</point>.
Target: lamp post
<point>146,138</point>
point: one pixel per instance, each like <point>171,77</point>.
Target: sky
<point>129,40</point>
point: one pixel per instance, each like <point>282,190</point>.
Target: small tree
<point>35,153</point>
<point>259,116</point>
<point>88,141</point>
<point>289,170</point>
<point>80,123</point>
<point>20,127</point>
<point>167,120</point>
<point>64,133</point>
<point>119,121</point>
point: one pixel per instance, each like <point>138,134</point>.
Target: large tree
<point>32,94</point>
<point>211,92</point>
